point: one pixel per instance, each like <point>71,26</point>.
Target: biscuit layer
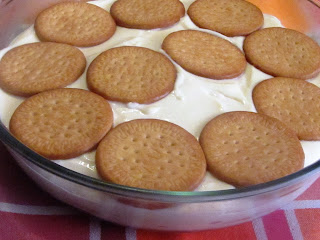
<point>147,14</point>
<point>37,67</point>
<point>204,54</point>
<point>75,23</point>
<point>151,154</point>
<point>293,101</point>
<point>283,52</point>
<point>62,123</point>
<point>245,148</point>
<point>131,74</point>
<point>231,18</point>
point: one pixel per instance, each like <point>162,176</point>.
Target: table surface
<point>28,213</point>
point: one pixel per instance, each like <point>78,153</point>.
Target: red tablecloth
<point>28,213</point>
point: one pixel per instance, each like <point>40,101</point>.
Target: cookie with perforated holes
<point>293,101</point>
<point>204,54</point>
<point>231,18</point>
<point>131,74</point>
<point>283,52</point>
<point>147,14</point>
<point>246,148</point>
<point>37,67</point>
<point>75,23</point>
<point>62,123</point>
<point>151,154</point>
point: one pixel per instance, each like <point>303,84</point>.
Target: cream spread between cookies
<point>193,102</point>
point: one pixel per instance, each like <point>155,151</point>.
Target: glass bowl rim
<point>156,195</point>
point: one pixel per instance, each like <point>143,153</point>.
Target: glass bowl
<point>159,210</point>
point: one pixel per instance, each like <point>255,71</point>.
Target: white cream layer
<point>194,101</point>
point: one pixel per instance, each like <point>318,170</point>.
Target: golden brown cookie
<point>131,74</point>
<point>36,67</point>
<point>78,24</point>
<point>62,123</point>
<point>245,148</point>
<point>231,17</point>
<point>293,101</point>
<point>283,52</point>
<point>147,14</point>
<point>151,154</point>
<point>204,54</point>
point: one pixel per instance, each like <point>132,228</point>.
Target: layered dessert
<point>194,101</point>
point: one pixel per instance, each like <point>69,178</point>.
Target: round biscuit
<point>37,67</point>
<point>204,54</point>
<point>151,154</point>
<point>147,14</point>
<point>283,52</point>
<point>75,23</point>
<point>231,18</point>
<point>293,101</point>
<point>131,74</point>
<point>62,123</point>
<point>245,148</point>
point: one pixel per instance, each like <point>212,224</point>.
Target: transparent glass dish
<point>157,210</point>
